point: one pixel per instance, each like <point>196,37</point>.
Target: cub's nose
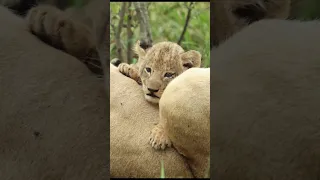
<point>153,90</point>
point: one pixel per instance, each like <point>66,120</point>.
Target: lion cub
<point>158,65</point>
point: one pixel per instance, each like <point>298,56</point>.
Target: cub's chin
<point>152,99</point>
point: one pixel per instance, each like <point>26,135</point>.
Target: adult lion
<point>266,103</point>
<point>185,117</point>
<point>130,153</point>
<point>74,148</point>
<point>130,113</point>
<point>140,159</point>
<point>53,114</point>
<point>53,111</point>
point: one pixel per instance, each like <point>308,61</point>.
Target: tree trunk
<point>130,34</point>
<point>145,30</point>
<point>118,33</point>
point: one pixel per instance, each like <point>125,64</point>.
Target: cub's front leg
<point>131,71</point>
<point>159,138</point>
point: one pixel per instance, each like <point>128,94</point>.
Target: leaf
<point>162,175</point>
<point>167,21</point>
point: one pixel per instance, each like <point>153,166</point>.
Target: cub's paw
<point>128,70</point>
<point>35,18</point>
<point>44,21</point>
<point>158,138</point>
<point>57,29</point>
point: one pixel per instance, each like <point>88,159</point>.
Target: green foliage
<point>208,169</point>
<point>162,175</point>
<point>75,3</point>
<point>167,20</point>
<point>306,10</point>
<point>78,3</point>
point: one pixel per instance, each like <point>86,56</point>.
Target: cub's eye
<point>169,75</point>
<point>148,69</point>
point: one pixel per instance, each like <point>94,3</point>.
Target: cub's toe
<point>159,139</point>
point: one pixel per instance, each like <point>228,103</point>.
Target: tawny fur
<point>54,126</point>
<point>185,117</point>
<point>59,30</point>
<point>130,153</point>
<point>71,30</point>
<point>278,12</point>
<point>266,103</point>
<point>88,160</point>
<point>224,13</point>
<point>53,120</point>
<point>162,59</point>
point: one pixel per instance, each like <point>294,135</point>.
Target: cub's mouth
<point>152,95</point>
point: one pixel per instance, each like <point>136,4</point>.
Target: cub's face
<point>162,63</point>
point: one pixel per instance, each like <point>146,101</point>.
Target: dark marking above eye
<point>168,75</point>
<point>148,69</point>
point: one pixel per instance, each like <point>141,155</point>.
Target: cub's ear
<point>191,59</point>
<point>139,50</point>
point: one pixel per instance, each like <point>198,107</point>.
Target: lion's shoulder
<point>188,80</point>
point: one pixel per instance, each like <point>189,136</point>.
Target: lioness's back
<point>266,102</point>
<point>130,153</point>
<point>185,105</point>
<point>52,110</point>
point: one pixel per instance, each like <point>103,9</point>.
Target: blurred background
<point>167,22</point>
<point>186,23</point>
<point>305,9</point>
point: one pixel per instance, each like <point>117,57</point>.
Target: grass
<point>162,175</point>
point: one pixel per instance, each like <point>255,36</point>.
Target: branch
<point>145,32</point>
<point>186,23</point>
<point>118,33</point>
<point>130,34</point>
<point>113,29</point>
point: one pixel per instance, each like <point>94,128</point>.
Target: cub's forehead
<point>164,52</point>
<point>165,47</point>
<point>164,56</point>
<point>171,67</point>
